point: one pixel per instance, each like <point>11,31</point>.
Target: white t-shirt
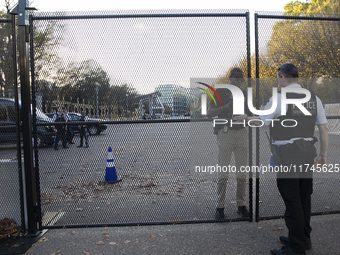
<point>320,117</point>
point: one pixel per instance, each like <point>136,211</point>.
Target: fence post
<point>250,137</point>
<point>30,180</point>
<point>257,140</point>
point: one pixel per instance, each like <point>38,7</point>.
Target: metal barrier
<point>119,58</point>
<point>310,47</point>
<point>133,54</point>
<point>12,198</point>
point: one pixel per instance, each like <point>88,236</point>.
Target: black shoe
<point>80,146</point>
<point>55,148</point>
<point>86,146</point>
<point>242,210</point>
<point>219,214</point>
<point>285,241</point>
<point>286,250</point>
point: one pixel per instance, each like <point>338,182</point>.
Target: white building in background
<point>174,96</point>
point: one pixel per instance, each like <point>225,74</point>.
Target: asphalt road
<point>156,163</point>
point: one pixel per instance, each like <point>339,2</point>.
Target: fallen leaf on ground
<point>136,242</point>
<point>87,253</point>
<point>100,243</point>
<point>74,232</point>
<point>112,243</point>
<point>127,241</point>
<point>327,207</point>
<point>153,236</point>
<point>106,235</point>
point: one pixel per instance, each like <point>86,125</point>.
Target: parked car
<point>45,134</point>
<point>94,126</point>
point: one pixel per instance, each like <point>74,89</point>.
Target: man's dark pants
<point>60,136</point>
<point>296,189</point>
<point>69,135</point>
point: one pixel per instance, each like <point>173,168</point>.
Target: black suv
<point>94,126</point>
<point>45,134</point>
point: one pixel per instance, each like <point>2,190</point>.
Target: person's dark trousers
<point>83,133</point>
<point>60,136</point>
<point>296,188</point>
<point>69,135</point>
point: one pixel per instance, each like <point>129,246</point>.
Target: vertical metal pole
<point>250,138</point>
<point>17,120</point>
<point>126,105</point>
<point>257,142</point>
<point>97,101</point>
<point>30,180</point>
<point>36,155</point>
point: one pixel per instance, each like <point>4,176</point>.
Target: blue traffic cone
<point>111,174</point>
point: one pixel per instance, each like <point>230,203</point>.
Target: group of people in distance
<point>64,133</point>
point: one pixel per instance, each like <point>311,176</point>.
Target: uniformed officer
<point>230,140</point>
<point>83,130</point>
<point>59,129</point>
<point>69,131</point>
<point>294,146</point>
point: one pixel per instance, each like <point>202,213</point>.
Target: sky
<point>89,5</point>
<point>146,53</point>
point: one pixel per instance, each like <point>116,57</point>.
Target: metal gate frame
<point>22,34</point>
<point>134,16</point>
<point>257,83</point>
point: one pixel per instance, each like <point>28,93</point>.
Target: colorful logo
<point>204,98</point>
<point>208,92</point>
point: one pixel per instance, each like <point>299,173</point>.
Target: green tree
<point>78,81</point>
<point>312,45</point>
<point>47,36</point>
<point>312,7</point>
<point>7,72</point>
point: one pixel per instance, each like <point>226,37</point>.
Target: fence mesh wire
<point>10,202</point>
<point>312,45</point>
<point>131,68</point>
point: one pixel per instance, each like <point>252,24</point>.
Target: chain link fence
<point>12,215</point>
<point>125,82</point>
<point>311,43</point>
<point>132,71</point>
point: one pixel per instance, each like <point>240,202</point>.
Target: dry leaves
<point>87,253</point>
<point>106,235</point>
<point>9,227</point>
<point>74,232</point>
<point>100,243</point>
<point>153,236</point>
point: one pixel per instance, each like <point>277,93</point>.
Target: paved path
<point>235,238</point>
